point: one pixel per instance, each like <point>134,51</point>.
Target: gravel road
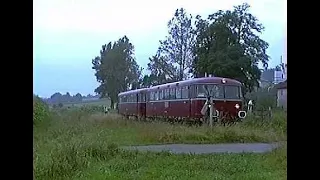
<point>208,148</point>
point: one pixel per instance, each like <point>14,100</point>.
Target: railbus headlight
<point>237,106</point>
<point>242,114</point>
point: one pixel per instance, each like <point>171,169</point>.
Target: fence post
<point>270,112</point>
<point>211,111</point>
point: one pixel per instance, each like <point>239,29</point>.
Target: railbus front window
<point>218,91</point>
<point>232,92</point>
<point>215,90</point>
<point>201,91</point>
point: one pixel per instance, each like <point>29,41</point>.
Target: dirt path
<point>208,148</point>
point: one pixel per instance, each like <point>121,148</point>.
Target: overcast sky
<point>67,34</point>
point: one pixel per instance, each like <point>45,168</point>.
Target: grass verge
<point>77,145</point>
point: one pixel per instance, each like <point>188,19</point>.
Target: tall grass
<point>78,144</point>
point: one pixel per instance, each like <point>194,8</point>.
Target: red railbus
<point>133,103</point>
<point>184,100</point>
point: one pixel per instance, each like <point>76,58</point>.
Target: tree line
<point>225,44</point>
<point>57,98</point>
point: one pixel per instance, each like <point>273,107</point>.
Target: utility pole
<point>211,112</point>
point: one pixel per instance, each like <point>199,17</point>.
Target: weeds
<point>81,145</point>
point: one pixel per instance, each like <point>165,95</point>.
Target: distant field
<point>100,102</point>
<point>85,146</point>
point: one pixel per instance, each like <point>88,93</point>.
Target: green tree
<point>41,111</point>
<point>228,46</point>
<point>178,46</point>
<point>56,98</point>
<point>77,97</point>
<point>162,71</point>
<point>116,69</point>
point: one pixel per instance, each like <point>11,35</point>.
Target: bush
<point>278,122</point>
<point>263,98</point>
<point>40,110</point>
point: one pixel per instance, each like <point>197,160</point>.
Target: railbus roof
<point>135,91</point>
<point>202,80</point>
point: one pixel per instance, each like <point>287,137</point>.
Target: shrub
<point>263,98</point>
<point>40,110</point>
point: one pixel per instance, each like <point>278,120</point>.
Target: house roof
<point>282,85</point>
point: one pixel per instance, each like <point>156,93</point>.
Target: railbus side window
<point>151,96</point>
<point>143,97</point>
<point>157,95</point>
<point>185,92</point>
<point>160,94</point>
<point>166,94</point>
<point>178,92</point>
<point>192,90</point>
<point>173,93</point>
